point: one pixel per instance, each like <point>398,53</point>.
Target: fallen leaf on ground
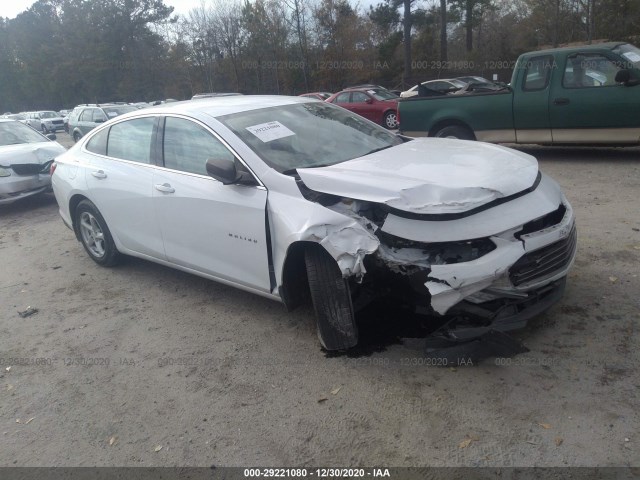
<point>9,387</point>
<point>559,441</point>
<point>113,440</point>
<point>546,426</point>
<point>158,448</point>
<point>464,443</point>
<point>29,421</point>
<point>320,400</point>
<point>8,369</point>
<point>613,279</point>
<point>28,312</point>
<point>335,391</point>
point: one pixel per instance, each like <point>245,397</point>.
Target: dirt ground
<point>119,362</point>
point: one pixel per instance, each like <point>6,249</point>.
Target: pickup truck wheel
<point>390,120</point>
<point>331,297</point>
<point>95,235</point>
<point>455,131</point>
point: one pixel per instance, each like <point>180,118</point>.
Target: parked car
<point>25,158</point>
<point>379,106</point>
<point>45,121</point>
<point>85,118</point>
<point>318,95</point>
<point>280,196</point>
<point>213,94</point>
<point>584,95</point>
<point>15,116</point>
<point>438,87</point>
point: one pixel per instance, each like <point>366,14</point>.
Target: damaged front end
<point>489,270</point>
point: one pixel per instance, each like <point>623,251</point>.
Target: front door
<point>206,226</point>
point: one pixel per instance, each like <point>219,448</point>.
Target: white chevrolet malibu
<point>282,196</point>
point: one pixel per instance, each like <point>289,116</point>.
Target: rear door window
<point>537,73</point>
<point>131,140</point>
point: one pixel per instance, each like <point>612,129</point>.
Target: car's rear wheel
<point>76,137</point>
<point>331,298</point>
<point>390,120</point>
<point>95,235</point>
<point>455,131</point>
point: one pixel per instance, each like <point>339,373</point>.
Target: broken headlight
<point>441,253</point>
<point>5,172</point>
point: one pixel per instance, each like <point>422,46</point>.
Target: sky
<point>11,8</point>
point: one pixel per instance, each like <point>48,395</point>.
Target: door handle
<point>165,187</point>
<point>561,101</point>
<point>99,174</point>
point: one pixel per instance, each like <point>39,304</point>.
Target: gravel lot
<point>118,362</point>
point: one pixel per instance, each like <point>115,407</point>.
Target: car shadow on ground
<point>27,205</point>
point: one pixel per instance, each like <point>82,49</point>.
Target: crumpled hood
<point>429,175</point>
<point>26,153</point>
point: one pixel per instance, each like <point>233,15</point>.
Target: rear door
<point>531,100</point>
<point>588,106</point>
<point>119,179</point>
<point>209,227</point>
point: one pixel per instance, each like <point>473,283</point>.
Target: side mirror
<point>222,169</point>
<point>51,136</point>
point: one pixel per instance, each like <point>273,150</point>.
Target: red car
<point>375,104</point>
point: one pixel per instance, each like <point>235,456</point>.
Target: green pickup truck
<point>574,95</point>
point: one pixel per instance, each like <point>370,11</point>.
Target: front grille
<point>57,122</point>
<point>545,261</point>
<point>27,169</point>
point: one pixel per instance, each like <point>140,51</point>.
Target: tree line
<point>60,53</point>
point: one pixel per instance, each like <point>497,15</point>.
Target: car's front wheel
<point>44,129</point>
<point>331,298</point>
<point>76,137</point>
<point>390,120</point>
<point>95,235</point>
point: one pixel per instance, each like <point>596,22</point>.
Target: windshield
<point>115,111</point>
<point>379,94</point>
<point>629,52</point>
<point>48,114</point>
<point>307,135</point>
<point>458,83</point>
<point>15,133</point>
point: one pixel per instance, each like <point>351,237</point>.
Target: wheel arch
<point>294,286</point>
<point>450,122</point>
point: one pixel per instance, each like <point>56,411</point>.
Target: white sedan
<point>284,195</point>
<point>25,157</point>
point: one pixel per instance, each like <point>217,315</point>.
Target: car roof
<point>219,106</point>
<point>580,48</point>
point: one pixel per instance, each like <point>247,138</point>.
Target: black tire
<point>390,120</point>
<point>331,297</point>
<point>76,137</point>
<point>105,254</point>
<point>44,129</point>
<point>455,131</point>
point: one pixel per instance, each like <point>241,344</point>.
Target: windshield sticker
<point>112,114</point>
<point>632,56</point>
<point>270,131</point>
